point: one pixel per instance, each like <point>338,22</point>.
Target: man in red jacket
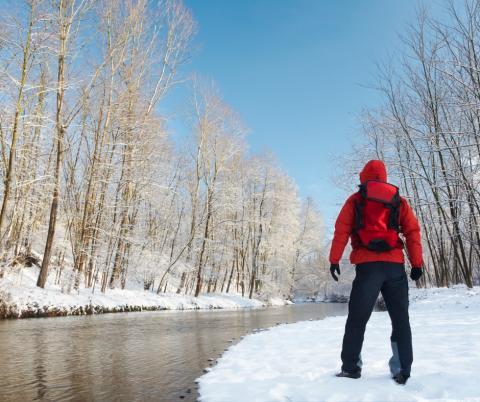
<point>373,218</point>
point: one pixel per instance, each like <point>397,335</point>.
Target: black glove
<point>416,273</point>
<point>335,268</point>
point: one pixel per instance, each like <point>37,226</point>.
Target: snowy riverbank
<point>297,362</point>
<point>20,298</point>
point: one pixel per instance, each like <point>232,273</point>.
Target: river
<point>151,356</point>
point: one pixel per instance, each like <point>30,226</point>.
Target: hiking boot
<point>400,378</point>
<point>348,374</point>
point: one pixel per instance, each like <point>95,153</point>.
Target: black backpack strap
<point>362,190</point>
<point>394,221</point>
<point>359,206</point>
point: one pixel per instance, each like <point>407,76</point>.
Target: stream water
<point>151,356</point>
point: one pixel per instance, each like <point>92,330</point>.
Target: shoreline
<point>440,318</point>
<point>23,303</point>
<point>20,298</point>
<point>85,310</point>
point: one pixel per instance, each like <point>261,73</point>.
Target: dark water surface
<point>151,356</point>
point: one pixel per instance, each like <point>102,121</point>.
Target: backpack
<point>377,213</point>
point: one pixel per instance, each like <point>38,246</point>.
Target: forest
<point>96,194</point>
<point>427,129</point>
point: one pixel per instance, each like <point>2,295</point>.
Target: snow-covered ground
<point>20,297</point>
<point>297,362</point>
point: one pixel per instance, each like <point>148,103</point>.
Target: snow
<point>276,301</point>
<point>20,297</point>
<point>297,362</point>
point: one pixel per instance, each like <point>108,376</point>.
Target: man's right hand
<point>335,268</point>
<point>416,273</point>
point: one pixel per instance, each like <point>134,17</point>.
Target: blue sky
<point>298,73</point>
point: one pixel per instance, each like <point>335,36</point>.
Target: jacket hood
<point>373,170</point>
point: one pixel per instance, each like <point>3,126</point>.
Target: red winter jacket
<point>375,170</point>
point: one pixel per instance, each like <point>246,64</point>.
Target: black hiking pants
<point>371,279</point>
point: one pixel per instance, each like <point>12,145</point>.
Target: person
<point>373,218</point>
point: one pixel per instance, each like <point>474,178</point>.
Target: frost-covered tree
<point>428,133</point>
<point>96,194</point>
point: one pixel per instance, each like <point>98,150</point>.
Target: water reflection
<point>126,357</point>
